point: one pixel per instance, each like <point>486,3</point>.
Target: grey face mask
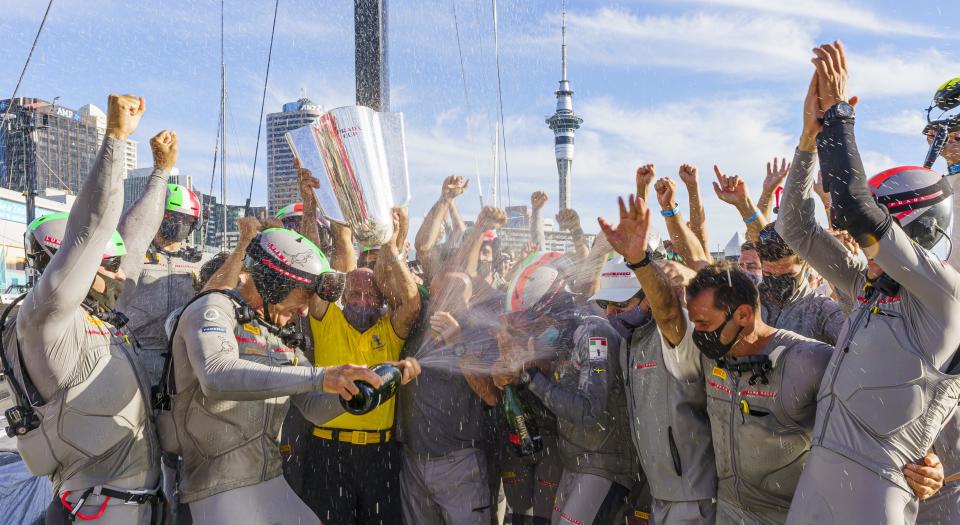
<point>361,318</point>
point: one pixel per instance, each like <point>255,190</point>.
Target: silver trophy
<point>360,158</point>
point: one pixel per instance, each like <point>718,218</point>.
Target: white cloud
<point>835,12</point>
<point>890,72</point>
<point>905,122</point>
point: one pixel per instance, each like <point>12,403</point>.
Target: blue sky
<point>700,81</point>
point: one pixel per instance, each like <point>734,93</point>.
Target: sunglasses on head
<point>111,264</point>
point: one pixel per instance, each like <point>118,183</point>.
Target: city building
<point>53,145</point>
<point>13,226</point>
<point>212,215</point>
<point>130,159</point>
<point>564,124</point>
<point>281,176</point>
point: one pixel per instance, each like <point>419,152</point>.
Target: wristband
<point>954,169</point>
<point>755,216</point>
<point>671,213</point>
<point>641,263</point>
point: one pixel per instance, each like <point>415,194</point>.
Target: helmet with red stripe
<point>538,289</point>
<point>280,260</point>
<point>918,198</point>
<point>181,213</point>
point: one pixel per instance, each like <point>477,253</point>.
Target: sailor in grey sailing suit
<point>95,438</point>
<point>235,369</point>
<point>786,299</point>
<point>890,386</point>
<point>584,390</point>
<point>668,417</point>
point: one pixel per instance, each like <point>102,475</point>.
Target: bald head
<point>361,290</point>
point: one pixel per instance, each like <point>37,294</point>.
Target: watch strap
<point>641,263</point>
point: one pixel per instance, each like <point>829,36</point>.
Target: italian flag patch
<point>598,348</point>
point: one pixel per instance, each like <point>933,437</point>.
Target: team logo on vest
<point>719,372</point>
<point>642,366</point>
<point>377,343</point>
<point>252,329</point>
<point>598,348</point>
<point>216,329</point>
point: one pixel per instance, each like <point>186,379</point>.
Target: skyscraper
<point>130,158</point>
<point>564,123</point>
<point>51,144</point>
<point>281,176</point>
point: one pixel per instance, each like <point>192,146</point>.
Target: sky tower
<point>564,122</point>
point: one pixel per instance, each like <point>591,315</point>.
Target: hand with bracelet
<point>629,238</point>
<point>733,190</point>
<point>666,189</point>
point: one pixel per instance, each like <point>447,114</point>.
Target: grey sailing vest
<point>230,444</point>
<point>890,416</point>
<point>166,283</point>
<point>761,432</point>
<point>807,314</point>
<point>97,430</point>
<point>602,448</point>
<point>669,423</point>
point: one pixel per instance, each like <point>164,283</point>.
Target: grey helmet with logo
<point>280,260</point>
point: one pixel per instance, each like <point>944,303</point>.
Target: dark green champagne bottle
<point>369,397</point>
<point>523,432</point>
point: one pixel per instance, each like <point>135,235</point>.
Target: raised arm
<point>684,241</point>
<point>733,190</point>
<point>139,225</point>
<point>698,218</point>
<point>429,232</point>
<point>395,281</point>
<point>933,283</point>
<point>776,173</point>
<point>228,275</point>
<point>587,281</point>
<point>569,220</point>
<point>94,216</point>
<point>629,239</point>
<point>537,201</point>
<point>468,255</point>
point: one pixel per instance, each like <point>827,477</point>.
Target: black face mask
<point>175,229</point>
<point>778,289</point>
<point>485,268</point>
<point>111,292</point>
<point>709,342</point>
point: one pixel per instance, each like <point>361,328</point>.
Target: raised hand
<point>666,189</point>
<point>688,174</point>
<point>730,189</point>
<point>776,174</point>
<point>445,327</point>
<point>164,148</point>
<point>538,200</point>
<point>454,186</point>
<point>491,218</point>
<point>123,115</point>
<point>308,183</point>
<point>568,219</point>
<point>818,187</point>
<point>645,175</point>
<point>832,75</point>
<point>629,238</point>
<point>249,227</point>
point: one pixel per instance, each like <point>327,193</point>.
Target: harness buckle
<point>359,437</point>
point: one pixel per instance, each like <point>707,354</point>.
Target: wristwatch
<point>459,349</point>
<point>840,111</point>
<point>641,263</point>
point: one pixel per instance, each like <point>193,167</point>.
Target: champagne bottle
<point>523,433</point>
<point>369,397</point>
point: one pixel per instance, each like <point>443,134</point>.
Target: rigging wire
<point>27,63</point>
<point>263,100</point>
<point>466,97</point>
<point>503,128</point>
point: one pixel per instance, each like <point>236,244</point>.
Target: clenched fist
<point>164,148</point>
<point>666,189</point>
<point>538,200</point>
<point>454,186</point>
<point>123,115</point>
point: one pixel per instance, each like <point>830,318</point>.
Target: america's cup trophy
<point>360,159</point>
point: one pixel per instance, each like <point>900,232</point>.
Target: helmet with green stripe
<point>280,260</point>
<point>181,199</point>
<point>45,236</point>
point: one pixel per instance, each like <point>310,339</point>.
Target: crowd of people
<point>813,381</point>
